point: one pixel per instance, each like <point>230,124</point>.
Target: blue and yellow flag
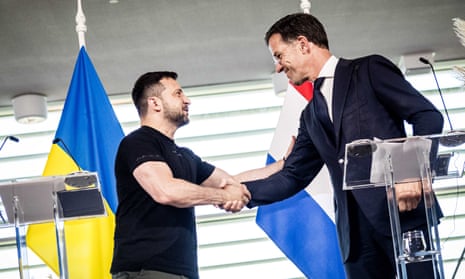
<point>90,133</point>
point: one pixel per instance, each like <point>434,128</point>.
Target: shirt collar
<point>329,68</point>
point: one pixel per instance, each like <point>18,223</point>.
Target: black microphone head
<point>13,138</point>
<point>424,60</point>
<point>56,140</point>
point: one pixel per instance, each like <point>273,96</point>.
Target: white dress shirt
<point>326,89</point>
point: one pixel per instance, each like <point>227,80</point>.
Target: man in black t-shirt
<point>159,183</point>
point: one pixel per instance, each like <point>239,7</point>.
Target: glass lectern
<point>390,164</point>
<point>49,199</point>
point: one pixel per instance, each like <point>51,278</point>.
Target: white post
<point>81,27</point>
<point>305,5</point>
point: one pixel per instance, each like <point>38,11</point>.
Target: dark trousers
<point>147,274</point>
<point>372,254</point>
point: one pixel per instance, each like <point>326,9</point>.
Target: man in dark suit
<point>368,97</point>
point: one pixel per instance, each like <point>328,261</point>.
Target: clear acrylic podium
<point>387,163</point>
<point>49,199</point>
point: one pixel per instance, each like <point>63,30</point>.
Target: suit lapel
<point>342,79</point>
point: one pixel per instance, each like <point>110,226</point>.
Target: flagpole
<point>305,5</point>
<point>81,27</point>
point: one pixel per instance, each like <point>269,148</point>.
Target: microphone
<point>454,138</point>
<point>58,140</point>
<point>13,138</point>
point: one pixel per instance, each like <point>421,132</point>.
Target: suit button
<point>341,161</point>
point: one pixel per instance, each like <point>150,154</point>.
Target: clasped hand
<point>237,195</point>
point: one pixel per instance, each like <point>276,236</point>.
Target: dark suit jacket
<point>371,99</point>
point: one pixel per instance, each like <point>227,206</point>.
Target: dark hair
<point>147,81</point>
<point>299,24</point>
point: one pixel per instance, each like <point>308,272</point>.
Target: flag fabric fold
<point>302,226</point>
<point>89,134</point>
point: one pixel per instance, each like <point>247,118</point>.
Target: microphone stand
<point>425,61</point>
<point>458,263</point>
<point>457,138</point>
<point>454,138</point>
<point>15,139</point>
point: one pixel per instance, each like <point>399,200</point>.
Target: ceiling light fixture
<point>30,108</point>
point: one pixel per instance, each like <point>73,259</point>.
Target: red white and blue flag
<point>302,226</point>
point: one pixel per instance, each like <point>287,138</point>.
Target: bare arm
<point>157,180</point>
<point>260,172</point>
<point>266,171</point>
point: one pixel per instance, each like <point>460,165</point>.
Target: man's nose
<point>278,67</point>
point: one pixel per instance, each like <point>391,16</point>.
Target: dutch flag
<point>302,226</point>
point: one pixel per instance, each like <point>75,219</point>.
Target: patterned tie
<point>321,108</point>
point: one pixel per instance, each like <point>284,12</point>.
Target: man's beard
<point>178,118</point>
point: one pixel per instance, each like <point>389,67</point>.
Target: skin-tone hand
<point>289,148</point>
<point>238,204</point>
<point>408,195</point>
<point>260,173</point>
<point>237,195</point>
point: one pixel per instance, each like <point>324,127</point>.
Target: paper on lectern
<point>407,159</point>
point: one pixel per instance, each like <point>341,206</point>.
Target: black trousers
<point>146,274</point>
<point>372,254</point>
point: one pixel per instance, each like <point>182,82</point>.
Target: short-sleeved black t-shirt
<point>149,235</point>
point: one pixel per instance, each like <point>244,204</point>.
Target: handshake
<point>236,195</point>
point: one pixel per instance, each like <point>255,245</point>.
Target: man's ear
<point>303,43</point>
<point>154,103</point>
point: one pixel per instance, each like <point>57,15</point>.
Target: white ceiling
<point>205,41</point>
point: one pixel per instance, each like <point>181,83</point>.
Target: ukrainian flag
<point>90,133</point>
